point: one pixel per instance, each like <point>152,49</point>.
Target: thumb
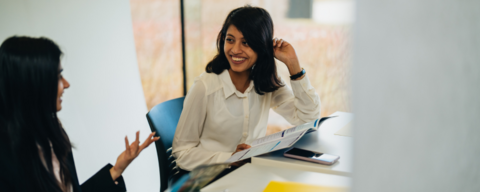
<point>244,146</point>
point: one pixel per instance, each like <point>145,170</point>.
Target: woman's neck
<point>240,80</point>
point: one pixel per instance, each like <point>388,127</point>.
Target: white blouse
<point>216,117</point>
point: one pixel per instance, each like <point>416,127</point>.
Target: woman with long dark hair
<point>35,151</point>
<point>227,107</point>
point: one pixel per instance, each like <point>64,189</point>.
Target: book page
<point>287,141</point>
<point>283,133</point>
<point>237,156</point>
<point>310,125</point>
<point>268,138</point>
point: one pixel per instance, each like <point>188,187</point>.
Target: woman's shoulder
<point>207,76</point>
<point>210,81</point>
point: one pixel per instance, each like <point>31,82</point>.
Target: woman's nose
<point>237,48</point>
<point>66,84</point>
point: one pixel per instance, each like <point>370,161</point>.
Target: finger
<point>147,141</point>
<point>135,144</point>
<point>243,146</point>
<point>127,146</point>
<point>137,136</point>
<point>274,41</point>
<point>281,42</point>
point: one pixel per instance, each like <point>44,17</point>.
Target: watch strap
<point>299,74</point>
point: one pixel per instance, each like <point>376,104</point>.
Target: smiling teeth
<point>238,59</point>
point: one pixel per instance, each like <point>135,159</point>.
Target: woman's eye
<point>245,43</point>
<point>229,40</point>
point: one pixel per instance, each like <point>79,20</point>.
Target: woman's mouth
<point>238,60</point>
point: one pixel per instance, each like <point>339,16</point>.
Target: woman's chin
<point>238,69</point>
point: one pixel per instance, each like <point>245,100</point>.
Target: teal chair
<point>163,119</point>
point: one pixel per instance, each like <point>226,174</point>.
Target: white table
<point>323,140</point>
<point>254,178</point>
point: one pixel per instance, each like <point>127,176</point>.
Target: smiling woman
<point>228,106</point>
<point>239,54</point>
<point>245,39</point>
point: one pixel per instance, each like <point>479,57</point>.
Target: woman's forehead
<point>234,32</point>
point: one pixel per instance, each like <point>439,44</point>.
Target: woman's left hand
<point>130,153</point>
<point>285,52</point>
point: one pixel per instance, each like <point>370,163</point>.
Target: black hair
<point>29,75</point>
<point>256,26</point>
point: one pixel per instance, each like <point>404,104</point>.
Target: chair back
<point>163,119</point>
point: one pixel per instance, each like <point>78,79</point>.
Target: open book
<point>277,141</point>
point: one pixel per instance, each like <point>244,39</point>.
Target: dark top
<point>11,178</point>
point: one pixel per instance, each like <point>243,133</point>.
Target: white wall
<point>105,101</point>
<point>416,96</point>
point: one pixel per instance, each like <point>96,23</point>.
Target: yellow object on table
<point>285,186</point>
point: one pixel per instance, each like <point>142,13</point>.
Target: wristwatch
<point>299,74</point>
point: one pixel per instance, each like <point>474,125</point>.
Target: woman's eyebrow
<point>241,38</point>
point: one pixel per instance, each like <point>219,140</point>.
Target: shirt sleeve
<point>299,106</point>
<point>102,181</point>
<point>185,148</point>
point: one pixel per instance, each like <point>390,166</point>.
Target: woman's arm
<point>285,52</point>
<point>186,142</point>
<point>297,106</point>
<point>102,182</point>
<point>301,105</point>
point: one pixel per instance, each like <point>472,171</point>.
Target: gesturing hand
<point>130,153</point>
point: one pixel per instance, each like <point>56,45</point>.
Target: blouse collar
<point>229,88</point>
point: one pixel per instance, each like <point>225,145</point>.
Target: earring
<point>253,66</point>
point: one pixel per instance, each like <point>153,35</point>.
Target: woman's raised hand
<point>285,52</point>
<point>130,153</point>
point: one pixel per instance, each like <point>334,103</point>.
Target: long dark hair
<point>256,26</point>
<point>29,75</point>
